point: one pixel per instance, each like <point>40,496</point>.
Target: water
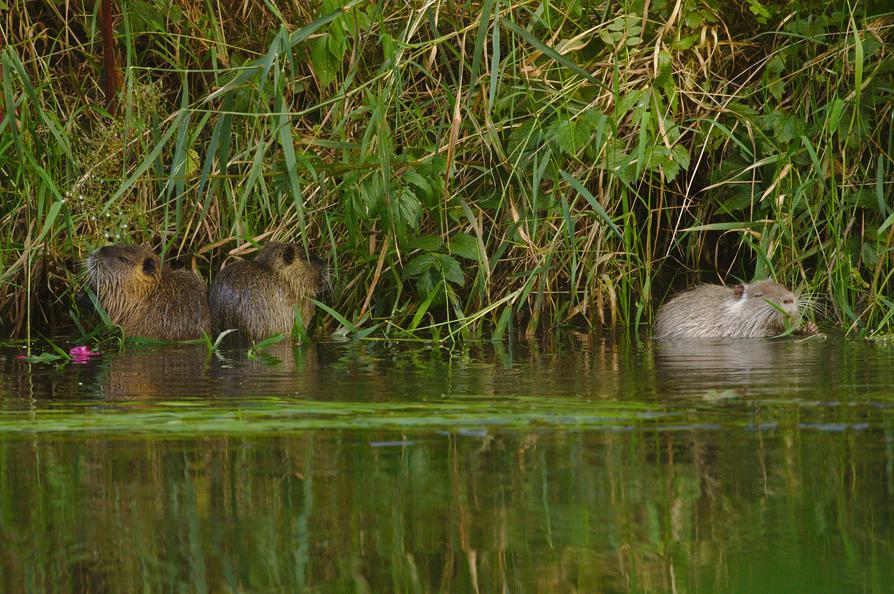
<point>573,465</point>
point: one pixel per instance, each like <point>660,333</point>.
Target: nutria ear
<point>288,255</point>
<point>148,266</point>
<point>738,290</point>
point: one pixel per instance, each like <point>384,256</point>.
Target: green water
<point>573,465</point>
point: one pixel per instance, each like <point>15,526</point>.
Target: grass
<point>469,169</point>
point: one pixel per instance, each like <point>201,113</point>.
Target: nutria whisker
<point>816,304</point>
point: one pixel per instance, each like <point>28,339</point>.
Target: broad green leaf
<point>451,269</point>
<point>465,246</point>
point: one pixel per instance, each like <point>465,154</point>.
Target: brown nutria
<point>257,296</point>
<point>743,311</point>
<point>146,299</point>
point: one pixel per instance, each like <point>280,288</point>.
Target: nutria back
<point>257,296</point>
<point>146,299</point>
<point>715,311</point>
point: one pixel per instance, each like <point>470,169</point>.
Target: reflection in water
<point>768,467</point>
<point>686,366</point>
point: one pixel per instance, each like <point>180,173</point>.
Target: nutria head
<point>305,277</point>
<point>122,276</point>
<point>765,304</point>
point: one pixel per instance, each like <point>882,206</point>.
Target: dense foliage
<point>466,167</point>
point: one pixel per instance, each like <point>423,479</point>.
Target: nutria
<point>743,311</point>
<point>146,299</point>
<point>257,296</point>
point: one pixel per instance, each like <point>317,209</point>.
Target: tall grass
<point>467,168</point>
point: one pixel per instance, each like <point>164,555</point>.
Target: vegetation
<point>466,167</point>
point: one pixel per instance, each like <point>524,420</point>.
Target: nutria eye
<point>124,259</point>
<point>288,256</point>
<point>148,266</point>
<point>758,294</point>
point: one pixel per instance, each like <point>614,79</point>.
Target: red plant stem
<point>110,71</point>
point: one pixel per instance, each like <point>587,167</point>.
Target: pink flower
<point>81,354</point>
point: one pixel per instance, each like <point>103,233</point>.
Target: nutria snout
<point>146,299</point>
<point>257,296</point>
<point>753,310</point>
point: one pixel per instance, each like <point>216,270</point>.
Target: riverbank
<point>465,168</point>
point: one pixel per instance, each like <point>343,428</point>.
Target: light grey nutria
<point>742,311</point>
<point>257,296</point>
<point>146,299</point>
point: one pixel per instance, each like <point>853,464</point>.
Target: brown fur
<point>146,299</point>
<point>743,311</point>
<point>257,296</point>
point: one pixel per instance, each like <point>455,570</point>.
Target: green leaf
<point>677,159</point>
<point>426,282</point>
<point>684,43</point>
<point>464,246</point>
<point>147,162</point>
<point>759,11</point>
<point>772,77</point>
<point>479,40</point>
<point>389,47</point>
<point>407,212</point>
<point>883,207</point>
<point>570,135</point>
<point>430,243</point>
<point>338,317</point>
<point>451,270</point>
<point>44,358</point>
<point>884,227</point>
<point>431,293</point>
<point>858,60</point>
<point>550,52</point>
<point>627,102</point>
<point>786,127</point>
<point>324,64</point>
<point>739,200</point>
<point>593,202</point>
<point>336,43</point>
<point>726,226</point>
<point>50,219</point>
<point>257,66</point>
<point>415,179</point>
<point>418,265</point>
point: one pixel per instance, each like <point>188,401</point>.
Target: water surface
<point>576,464</point>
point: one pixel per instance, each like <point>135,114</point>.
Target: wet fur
<point>256,296</point>
<point>715,311</point>
<point>144,298</point>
